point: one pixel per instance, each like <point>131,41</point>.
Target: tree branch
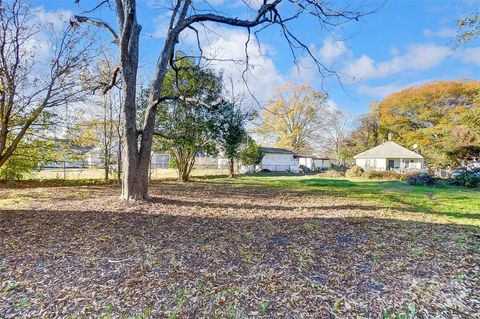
<point>259,19</point>
<point>113,80</point>
<point>98,23</point>
<point>212,106</point>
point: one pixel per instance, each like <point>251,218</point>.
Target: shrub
<point>395,176</point>
<point>332,173</point>
<point>387,175</point>
<point>17,168</point>
<point>421,179</point>
<point>354,172</point>
<point>472,178</point>
<point>370,174</point>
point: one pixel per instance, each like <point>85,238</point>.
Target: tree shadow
<point>150,259</point>
<point>247,206</point>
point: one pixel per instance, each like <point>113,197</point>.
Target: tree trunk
<point>106,164</point>
<point>232,168</point>
<point>119,161</point>
<point>136,158</point>
<point>184,174</point>
<point>182,171</point>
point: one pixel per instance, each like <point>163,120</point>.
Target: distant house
<point>389,156</point>
<point>202,161</point>
<point>279,160</point>
<point>313,162</point>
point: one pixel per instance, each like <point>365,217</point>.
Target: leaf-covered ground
<point>214,249</point>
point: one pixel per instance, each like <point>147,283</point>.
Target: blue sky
<point>403,43</point>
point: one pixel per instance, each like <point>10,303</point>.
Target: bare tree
<point>336,128</point>
<point>30,80</point>
<point>189,15</point>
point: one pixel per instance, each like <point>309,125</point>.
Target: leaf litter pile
<point>221,250</point>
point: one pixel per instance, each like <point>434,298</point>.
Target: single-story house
<point>279,160</point>
<point>313,162</point>
<point>389,156</point>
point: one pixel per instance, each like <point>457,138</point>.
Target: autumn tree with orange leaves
<point>437,117</point>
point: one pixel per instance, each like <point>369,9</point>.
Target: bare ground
<point>218,250</point>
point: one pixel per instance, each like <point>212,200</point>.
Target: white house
<point>279,160</point>
<point>389,156</point>
<point>161,160</point>
<point>314,163</point>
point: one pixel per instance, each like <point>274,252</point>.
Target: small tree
<point>186,126</point>
<point>99,123</point>
<point>231,132</point>
<point>334,132</point>
<point>252,154</point>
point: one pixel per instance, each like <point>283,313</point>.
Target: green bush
<point>17,168</point>
<point>172,163</point>
<point>469,178</point>
<point>354,172</point>
<point>472,180</point>
<point>421,179</point>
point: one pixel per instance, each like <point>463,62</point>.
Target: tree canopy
<point>36,74</point>
<point>435,117</point>
<point>294,117</point>
<point>230,131</point>
<point>186,126</point>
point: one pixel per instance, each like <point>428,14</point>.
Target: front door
<point>391,164</point>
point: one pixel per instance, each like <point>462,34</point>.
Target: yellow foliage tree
<point>293,117</point>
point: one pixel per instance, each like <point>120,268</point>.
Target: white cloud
<point>440,33</point>
<point>304,71</point>
<point>471,56</point>
<point>331,50</point>
<point>161,26</point>
<point>49,23</point>
<point>331,105</point>
<point>55,18</point>
<point>382,91</point>
<point>417,57</point>
<point>225,48</point>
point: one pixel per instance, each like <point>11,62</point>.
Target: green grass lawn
<point>454,201</point>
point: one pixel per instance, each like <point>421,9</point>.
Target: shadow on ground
<point>157,263</point>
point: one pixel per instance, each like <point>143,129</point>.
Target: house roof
<point>388,150</point>
<point>274,150</point>
<point>312,156</point>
